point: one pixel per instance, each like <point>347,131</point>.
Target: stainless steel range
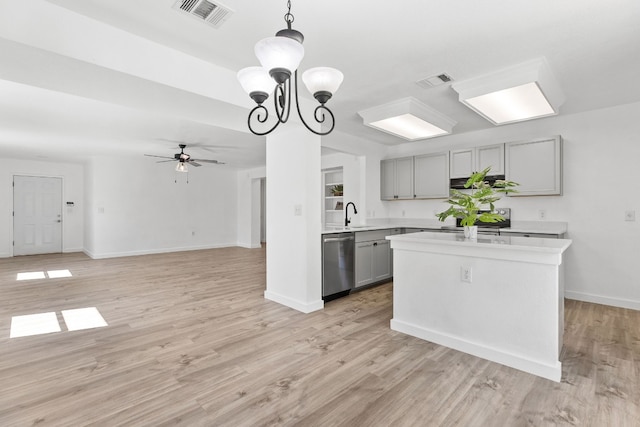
<point>485,228</point>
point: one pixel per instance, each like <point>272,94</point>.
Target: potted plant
<point>336,190</point>
<point>467,205</point>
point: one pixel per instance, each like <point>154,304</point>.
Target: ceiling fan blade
<point>165,161</point>
<point>162,157</point>
<point>191,162</point>
<point>207,161</point>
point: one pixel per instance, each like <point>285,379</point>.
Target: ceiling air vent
<point>213,13</point>
<point>434,81</point>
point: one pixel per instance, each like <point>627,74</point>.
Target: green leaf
<point>466,206</point>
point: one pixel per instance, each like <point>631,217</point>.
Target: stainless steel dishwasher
<point>338,264</point>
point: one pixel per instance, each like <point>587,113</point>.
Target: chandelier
<point>280,57</point>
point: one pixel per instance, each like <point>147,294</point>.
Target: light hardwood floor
<point>191,341</point>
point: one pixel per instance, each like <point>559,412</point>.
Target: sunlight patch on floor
<point>34,324</point>
<point>83,318</point>
<point>31,275</point>
<point>55,274</point>
<point>51,274</point>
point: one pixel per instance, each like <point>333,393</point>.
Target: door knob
<point>59,220</point>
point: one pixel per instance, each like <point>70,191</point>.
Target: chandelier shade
<point>280,57</point>
<point>322,79</point>
<point>279,53</point>
<point>256,81</point>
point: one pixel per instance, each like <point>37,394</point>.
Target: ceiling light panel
<point>409,119</point>
<point>409,127</point>
<point>522,92</point>
<point>514,104</point>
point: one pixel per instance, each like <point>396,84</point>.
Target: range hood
<point>458,183</point>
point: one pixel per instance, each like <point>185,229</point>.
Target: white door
<point>37,215</point>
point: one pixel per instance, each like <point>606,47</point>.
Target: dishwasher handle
<point>337,239</point>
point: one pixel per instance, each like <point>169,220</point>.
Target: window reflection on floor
<point>83,318</point>
<point>31,275</point>
<point>34,324</point>
<point>45,323</point>
<point>51,274</point>
<point>55,274</point>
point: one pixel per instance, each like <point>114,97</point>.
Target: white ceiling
<point>77,81</point>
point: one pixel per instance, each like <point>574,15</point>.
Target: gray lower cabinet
<point>364,263</point>
<point>374,260</point>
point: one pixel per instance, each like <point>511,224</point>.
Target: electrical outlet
<point>465,274</point>
<point>297,210</point>
<point>542,214</point>
<point>402,212</point>
<point>630,215</point>
<point>193,233</point>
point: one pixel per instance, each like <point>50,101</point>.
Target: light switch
<point>297,210</point>
<point>630,216</point>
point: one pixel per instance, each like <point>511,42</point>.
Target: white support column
<point>294,218</point>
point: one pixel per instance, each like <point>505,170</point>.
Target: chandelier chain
<point>288,17</point>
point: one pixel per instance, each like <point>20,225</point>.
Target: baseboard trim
<point>604,300</point>
<point>550,370</point>
<point>154,251</point>
<point>249,245</point>
<point>293,303</point>
<point>72,250</point>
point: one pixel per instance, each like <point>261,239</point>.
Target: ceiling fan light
<point>256,80</point>
<point>322,80</point>
<point>181,167</point>
<point>279,53</point>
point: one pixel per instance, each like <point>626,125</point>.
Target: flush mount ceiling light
<point>522,92</point>
<point>408,118</point>
<point>280,57</point>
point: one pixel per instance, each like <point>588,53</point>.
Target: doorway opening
<point>263,211</point>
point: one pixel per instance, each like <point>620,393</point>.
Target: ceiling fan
<point>184,159</point>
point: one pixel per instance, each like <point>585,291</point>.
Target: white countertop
<point>513,243</point>
<point>541,227</point>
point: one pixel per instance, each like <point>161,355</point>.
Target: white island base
<point>499,298</point>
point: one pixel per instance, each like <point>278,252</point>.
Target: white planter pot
<point>470,231</point>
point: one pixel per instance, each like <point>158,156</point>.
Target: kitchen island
<point>498,297</point>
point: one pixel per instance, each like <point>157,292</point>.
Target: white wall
<point>293,248</point>
<point>72,191</point>
<point>601,182</point>
<point>135,207</point>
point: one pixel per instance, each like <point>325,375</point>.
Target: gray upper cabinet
<point>462,163</point>
<point>396,179</point>
<point>388,179</point>
<point>431,173</point>
<point>466,161</point>
<point>536,165</point>
<point>491,155</point>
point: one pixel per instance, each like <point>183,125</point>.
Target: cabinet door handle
<point>375,244</point>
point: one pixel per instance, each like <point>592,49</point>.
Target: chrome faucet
<point>346,213</point>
